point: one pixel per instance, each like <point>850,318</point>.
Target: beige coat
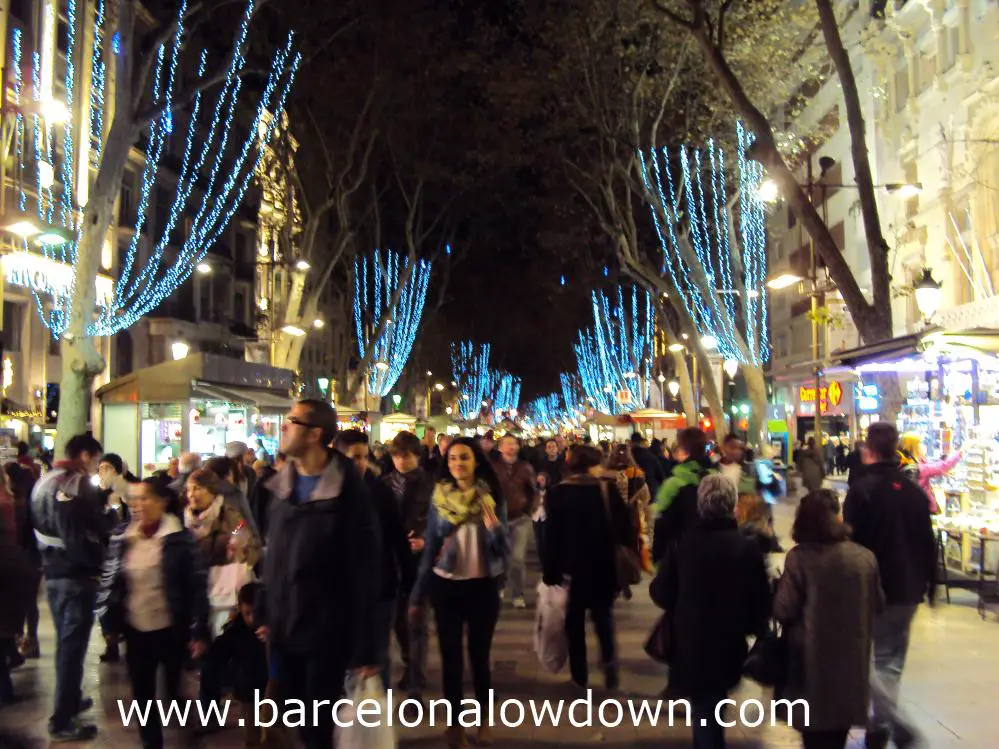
<point>827,600</point>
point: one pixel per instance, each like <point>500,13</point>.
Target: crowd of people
<point>289,578</point>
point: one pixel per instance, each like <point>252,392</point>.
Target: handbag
<point>767,662</point>
<point>627,562</point>
<point>657,645</point>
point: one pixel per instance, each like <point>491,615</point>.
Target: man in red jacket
<point>520,492</point>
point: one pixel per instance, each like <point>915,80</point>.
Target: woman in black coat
<point>154,591</point>
<point>586,519</point>
<point>715,587</point>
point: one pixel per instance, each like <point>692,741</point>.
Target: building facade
<point>929,87</point>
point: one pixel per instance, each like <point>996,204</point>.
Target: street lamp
<point>768,191</point>
<point>318,323</point>
<point>302,265</point>
<point>293,330</point>
<point>784,280</point>
<point>731,366</point>
<point>396,400</point>
<point>203,268</point>
<point>381,366</point>
<point>179,349</point>
<point>674,388</point>
<point>676,347</point>
<point>928,293</point>
<point>439,387</point>
<point>709,342</point>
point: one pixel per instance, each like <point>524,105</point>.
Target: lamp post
<point>928,294</point>
<point>731,367</point>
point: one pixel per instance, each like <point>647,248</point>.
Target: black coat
<point>715,589</point>
<point>321,570</point>
<point>260,502</point>
<point>398,561</point>
<point>185,582</point>
<point>242,657</point>
<point>554,468</point>
<point>67,510</point>
<point>678,518</point>
<point>578,538</point>
<point>654,475</point>
<point>891,517</point>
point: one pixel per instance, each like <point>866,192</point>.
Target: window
<point>13,321</point>
<point>911,178</point>
<point>126,209</point>
<point>902,86</point>
<point>54,347</point>
<point>239,306</point>
<point>204,298</point>
<point>780,346</point>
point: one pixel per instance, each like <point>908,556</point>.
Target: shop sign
<point>868,399</point>
<point>831,395</point>
<point>624,396</point>
<point>43,275</point>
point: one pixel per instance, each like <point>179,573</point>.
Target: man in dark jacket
<point>398,564</point>
<point>69,526</point>
<point>891,517</point>
<point>651,467</point>
<point>412,488</point>
<point>519,487</point>
<point>322,569</point>
<point>675,504</point>
<point>552,463</point>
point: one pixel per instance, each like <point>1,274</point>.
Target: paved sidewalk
<point>950,686</point>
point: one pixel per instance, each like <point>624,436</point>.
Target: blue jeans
<point>384,618</point>
<point>708,733</point>
<point>520,532</point>
<point>891,645</point>
<point>72,605</point>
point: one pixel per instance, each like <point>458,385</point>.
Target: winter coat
<point>236,498</point>
<point>412,492</point>
<point>716,592</point>
<point>240,654</point>
<point>322,571</point>
<point>519,487</point>
<point>890,516</point>
<point>215,545</point>
<point>185,581</point>
<point>68,520</point>
<point>580,538</point>
<point>555,469</point>
<point>260,501</point>
<point>811,469</point>
<point>20,582</point>
<point>827,600</point>
<point>397,564</point>
<point>437,553</point>
<point>650,466</point>
<point>676,505</point>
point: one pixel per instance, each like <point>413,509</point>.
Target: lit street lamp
<point>179,349</point>
<point>928,293</point>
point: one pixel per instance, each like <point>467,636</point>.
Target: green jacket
<point>684,474</point>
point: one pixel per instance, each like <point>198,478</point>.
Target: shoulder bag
<point>627,562</point>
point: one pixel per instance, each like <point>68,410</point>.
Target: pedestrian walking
<point>69,527</point>
<point>466,552</point>
<point>411,488</point>
<point>321,571</point>
<point>540,516</point>
<point>154,594</point>
<point>518,485</point>
<point>630,481</point>
<point>552,463</point>
<point>20,584</point>
<point>716,591</point>
<point>810,465</point>
<point>20,481</point>
<point>890,516</point>
<point>398,563</point>
<point>587,520</point>
<point>675,507</point>
<point>233,493</point>
<point>827,599</point>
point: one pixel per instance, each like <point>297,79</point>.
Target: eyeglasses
<point>298,422</point>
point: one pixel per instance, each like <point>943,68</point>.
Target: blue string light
<point>504,392</point>
<point>389,351</point>
<point>206,187</point>
<point>718,307</point>
<point>546,413</point>
<point>470,370</point>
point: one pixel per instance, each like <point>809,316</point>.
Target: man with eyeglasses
<point>322,572</point>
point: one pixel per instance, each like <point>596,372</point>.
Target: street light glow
<point>674,388</point>
<point>784,280</point>
<point>179,349</point>
<point>709,342</point>
<point>439,387</point>
<point>203,268</point>
<point>731,366</point>
<point>674,347</point>
<point>293,330</point>
<point>904,191</point>
<point>768,191</point>
<point>24,229</point>
<point>302,265</point>
<point>318,323</point>
<point>381,366</point>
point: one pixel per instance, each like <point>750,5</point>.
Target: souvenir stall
<point>195,404</point>
<point>610,428</point>
<point>950,383</point>
<point>655,424</point>
<point>350,419</point>
<point>387,427</point>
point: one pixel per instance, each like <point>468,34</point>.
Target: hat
<point>235,450</point>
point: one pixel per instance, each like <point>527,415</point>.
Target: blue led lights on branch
<point>505,392</point>
<point>547,412</point>
<point>615,355</point>
<point>388,287</point>
<point>721,282</point>
<point>470,370</point>
<point>217,166</point>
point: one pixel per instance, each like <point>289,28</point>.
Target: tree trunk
<point>877,247</point>
<point>686,387</point>
<point>757,386</point>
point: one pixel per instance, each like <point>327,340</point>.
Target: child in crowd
<point>242,657</point>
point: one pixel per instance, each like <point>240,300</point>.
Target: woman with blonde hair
<point>912,454</point>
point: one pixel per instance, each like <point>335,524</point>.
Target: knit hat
<point>716,497</point>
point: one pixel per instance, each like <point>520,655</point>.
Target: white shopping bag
<point>550,641</point>
<point>378,734</point>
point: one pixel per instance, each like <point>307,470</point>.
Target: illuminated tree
<point>388,306</point>
<point>137,78</point>
<point>547,412</point>
<point>470,370</point>
<point>504,392</point>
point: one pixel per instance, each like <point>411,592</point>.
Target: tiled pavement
<point>950,687</point>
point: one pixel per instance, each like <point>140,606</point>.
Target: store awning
<point>265,400</point>
<point>16,410</point>
<point>963,344</point>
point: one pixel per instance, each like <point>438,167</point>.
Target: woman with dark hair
<point>466,545</point>
<point>587,519</point>
<point>154,593</point>
<point>634,490</point>
<point>20,481</point>
<point>229,473</point>
<point>827,600</point>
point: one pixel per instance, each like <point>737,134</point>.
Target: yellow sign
<point>46,276</point>
<point>831,395</point>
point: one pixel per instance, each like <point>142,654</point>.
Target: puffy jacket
<point>321,570</point>
<point>519,487</point>
<point>68,520</point>
<point>891,517</point>
<point>185,580</point>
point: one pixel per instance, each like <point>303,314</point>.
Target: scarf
<point>201,524</point>
<point>457,506</point>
